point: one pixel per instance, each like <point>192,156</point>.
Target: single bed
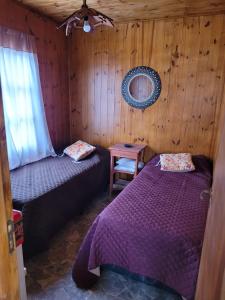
<point>154,228</point>
<point>53,190</point>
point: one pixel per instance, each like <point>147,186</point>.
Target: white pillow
<point>180,162</point>
<point>79,150</point>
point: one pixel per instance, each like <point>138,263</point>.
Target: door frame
<point>211,277</point>
<point>9,281</point>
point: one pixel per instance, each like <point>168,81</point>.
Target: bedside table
<point>135,152</point>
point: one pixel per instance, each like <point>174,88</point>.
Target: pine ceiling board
<point>128,10</point>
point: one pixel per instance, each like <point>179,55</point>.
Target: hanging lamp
<point>87,19</point>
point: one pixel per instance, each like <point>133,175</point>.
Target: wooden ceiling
<point>129,10</point>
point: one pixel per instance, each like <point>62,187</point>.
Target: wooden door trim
<point>211,273</point>
<point>9,278</point>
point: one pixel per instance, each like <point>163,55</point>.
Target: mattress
<point>53,190</point>
<point>154,228</point>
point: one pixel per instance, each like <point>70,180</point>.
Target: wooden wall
<point>52,55</point>
<point>189,55</point>
<point>211,279</point>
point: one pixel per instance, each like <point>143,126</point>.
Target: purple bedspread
<point>154,228</point>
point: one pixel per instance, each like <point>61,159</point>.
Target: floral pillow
<point>79,150</point>
<point>180,162</point>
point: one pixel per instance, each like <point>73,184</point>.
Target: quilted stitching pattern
<point>155,228</point>
<point>33,180</point>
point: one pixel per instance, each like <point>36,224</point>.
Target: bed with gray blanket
<point>52,191</point>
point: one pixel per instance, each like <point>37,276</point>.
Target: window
<point>26,128</point>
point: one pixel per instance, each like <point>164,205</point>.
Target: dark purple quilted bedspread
<point>154,228</point>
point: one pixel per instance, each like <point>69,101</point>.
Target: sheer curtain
<point>27,133</point>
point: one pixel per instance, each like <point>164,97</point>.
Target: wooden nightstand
<point>135,152</point>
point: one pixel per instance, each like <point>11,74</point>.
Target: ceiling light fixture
<point>87,19</point>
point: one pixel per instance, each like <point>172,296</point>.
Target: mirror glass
<point>141,88</point>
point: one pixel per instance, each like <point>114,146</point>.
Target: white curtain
<point>27,133</point>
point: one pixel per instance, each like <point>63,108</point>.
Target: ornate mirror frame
<point>152,75</point>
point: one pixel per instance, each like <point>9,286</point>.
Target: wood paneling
<point>211,281</point>
<point>52,56</point>
<point>9,278</point>
<point>129,10</point>
<point>221,123</point>
<point>187,52</point>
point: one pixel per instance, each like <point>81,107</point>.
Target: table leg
<point>111,176</point>
<point>136,166</point>
<point>142,155</point>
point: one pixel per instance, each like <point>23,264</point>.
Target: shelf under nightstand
<point>135,152</point>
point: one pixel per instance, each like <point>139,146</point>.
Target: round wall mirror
<point>141,87</point>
